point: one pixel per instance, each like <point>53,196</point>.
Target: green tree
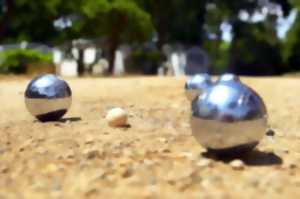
<point>291,44</point>
<point>198,22</point>
<point>255,48</point>
<point>177,20</point>
<point>116,20</point>
<point>33,20</point>
<point>184,21</point>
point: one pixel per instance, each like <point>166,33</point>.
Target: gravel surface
<point>155,156</point>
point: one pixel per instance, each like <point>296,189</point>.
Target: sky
<point>283,23</point>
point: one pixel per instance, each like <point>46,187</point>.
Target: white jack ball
<point>117,117</point>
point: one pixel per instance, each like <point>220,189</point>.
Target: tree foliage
<point>290,52</point>
<point>16,60</point>
<point>33,20</point>
<point>122,18</point>
<point>254,47</point>
<point>116,20</point>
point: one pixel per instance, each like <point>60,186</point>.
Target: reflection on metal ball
<point>196,84</point>
<point>228,77</point>
<point>228,117</point>
<point>48,97</point>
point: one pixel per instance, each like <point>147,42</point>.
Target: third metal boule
<point>196,84</point>
<point>229,116</point>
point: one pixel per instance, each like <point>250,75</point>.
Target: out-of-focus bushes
<point>219,53</point>
<point>21,61</point>
<point>144,62</point>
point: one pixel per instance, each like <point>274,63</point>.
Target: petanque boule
<point>48,97</point>
<point>229,117</point>
<point>196,84</point>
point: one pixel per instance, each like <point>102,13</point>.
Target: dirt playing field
<point>156,157</point>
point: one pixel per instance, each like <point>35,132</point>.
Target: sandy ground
<point>157,157</point>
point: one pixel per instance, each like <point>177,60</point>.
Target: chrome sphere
<point>228,117</point>
<point>196,84</point>
<point>48,98</point>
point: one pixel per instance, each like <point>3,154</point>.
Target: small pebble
<point>69,154</point>
<point>166,150</point>
<point>204,163</point>
<point>163,140</point>
<point>237,164</point>
<point>89,140</point>
<point>270,132</point>
<point>91,153</point>
<point>187,155</point>
<point>117,117</point>
<point>149,162</point>
<point>50,168</point>
<point>290,165</point>
<point>128,172</point>
<point>4,169</point>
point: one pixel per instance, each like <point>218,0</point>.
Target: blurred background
<point>174,37</point>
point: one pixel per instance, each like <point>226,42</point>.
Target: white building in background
<point>57,56</point>
<point>100,67</point>
<point>175,63</point>
<point>67,68</point>
<point>119,68</point>
<point>75,53</point>
<point>178,62</point>
<point>89,55</point>
<point>64,67</point>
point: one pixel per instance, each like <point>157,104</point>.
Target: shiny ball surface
<point>228,117</point>
<point>48,97</point>
<point>196,84</point>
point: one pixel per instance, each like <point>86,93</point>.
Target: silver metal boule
<point>196,84</point>
<point>229,116</point>
<point>229,77</point>
<point>48,97</point>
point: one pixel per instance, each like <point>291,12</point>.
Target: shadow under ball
<point>196,84</point>
<point>48,97</point>
<point>228,117</point>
